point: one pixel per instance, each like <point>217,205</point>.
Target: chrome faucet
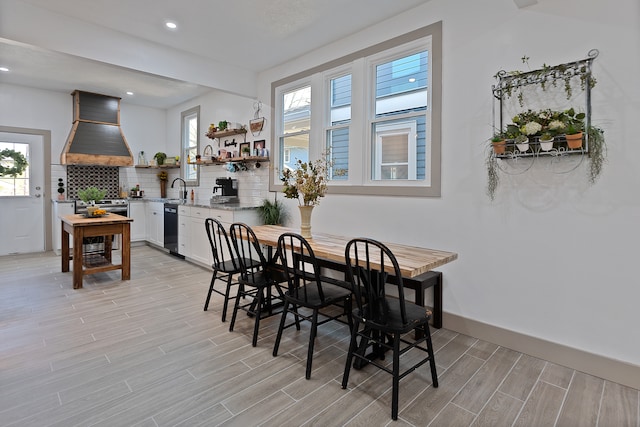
<point>184,184</point>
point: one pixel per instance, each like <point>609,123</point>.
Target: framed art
<point>245,149</point>
<point>258,144</point>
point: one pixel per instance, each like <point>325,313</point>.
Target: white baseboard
<point>580,360</point>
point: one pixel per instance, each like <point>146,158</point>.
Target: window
<point>19,185</point>
<point>376,113</point>
<point>190,130</point>
<point>295,125</point>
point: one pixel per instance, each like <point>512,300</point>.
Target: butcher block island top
<point>79,226</point>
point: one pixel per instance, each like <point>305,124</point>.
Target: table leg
<point>126,251</point>
<point>108,247</point>
<point>65,249</point>
<point>78,237</point>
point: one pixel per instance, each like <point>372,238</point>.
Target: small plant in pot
<point>60,189</point>
<point>160,158</point>
<point>522,142</point>
<point>546,141</point>
<point>272,213</point>
<point>499,144</point>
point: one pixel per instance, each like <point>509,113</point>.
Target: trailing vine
<point>12,163</point>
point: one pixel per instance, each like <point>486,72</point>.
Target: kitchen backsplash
<point>104,177</point>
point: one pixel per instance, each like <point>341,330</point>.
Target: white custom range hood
<point>96,137</point>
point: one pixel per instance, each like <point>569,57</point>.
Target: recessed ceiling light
<point>129,93</point>
<point>412,79</point>
<point>171,25</point>
<point>5,69</point>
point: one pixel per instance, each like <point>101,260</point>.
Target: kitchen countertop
<point>232,206</point>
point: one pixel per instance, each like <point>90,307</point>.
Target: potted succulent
<point>546,141</point>
<point>272,213</point>
<point>498,143</point>
<point>160,158</point>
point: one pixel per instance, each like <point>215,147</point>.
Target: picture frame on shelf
<point>245,149</point>
<point>258,144</point>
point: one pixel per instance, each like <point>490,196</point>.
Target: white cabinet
<point>137,211</point>
<point>198,240</point>
<point>184,218</point>
<point>155,223</point>
<point>60,209</point>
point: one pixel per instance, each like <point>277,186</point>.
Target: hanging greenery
<point>12,163</point>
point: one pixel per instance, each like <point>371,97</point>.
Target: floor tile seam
<point>564,398</point>
<point>497,389</point>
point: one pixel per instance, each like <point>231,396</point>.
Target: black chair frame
<point>307,288</point>
<point>225,264</point>
<point>386,322</point>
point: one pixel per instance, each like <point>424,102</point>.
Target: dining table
<point>80,226</point>
<point>417,264</point>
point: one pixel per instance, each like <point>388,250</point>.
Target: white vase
<point>305,221</point>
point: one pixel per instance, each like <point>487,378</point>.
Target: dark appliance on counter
<point>96,244</point>
<point>171,228</point>
<point>229,188</point>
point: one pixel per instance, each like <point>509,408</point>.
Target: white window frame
<point>360,130</point>
<point>185,146</point>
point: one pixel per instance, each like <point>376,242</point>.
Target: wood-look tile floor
<point>144,353</point>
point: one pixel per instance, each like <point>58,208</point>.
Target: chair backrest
<point>248,251</point>
<point>299,265</point>
<point>370,266</point>
<point>220,244</point>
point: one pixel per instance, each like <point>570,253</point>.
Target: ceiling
<point>252,35</point>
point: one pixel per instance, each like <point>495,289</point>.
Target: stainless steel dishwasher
<point>171,227</point>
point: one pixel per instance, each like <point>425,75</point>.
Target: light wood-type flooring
<point>144,353</point>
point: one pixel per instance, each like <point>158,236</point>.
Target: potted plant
<point>60,189</point>
<point>522,142</point>
<point>573,130</point>
<point>546,141</point>
<point>498,143</point>
<point>90,196</point>
<point>160,158</point>
<point>272,213</point>
<point>245,151</point>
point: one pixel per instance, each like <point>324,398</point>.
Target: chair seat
<point>415,316</point>
<point>310,297</point>
<point>228,266</point>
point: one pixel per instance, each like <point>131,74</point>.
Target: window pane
<point>399,150</point>
<point>401,85</point>
<point>341,100</point>
<point>296,108</point>
<point>19,185</point>
<point>296,147</point>
<point>338,145</point>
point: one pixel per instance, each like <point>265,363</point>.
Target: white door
<point>22,209</point>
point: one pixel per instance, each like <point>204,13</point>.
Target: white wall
<point>552,257</point>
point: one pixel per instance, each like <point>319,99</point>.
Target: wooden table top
<point>413,260</point>
<point>79,220</point>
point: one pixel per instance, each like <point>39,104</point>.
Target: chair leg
<point>432,360</point>
<point>312,340</point>
<point>396,376</point>
<point>283,319</point>
<point>213,279</point>
<point>236,307</point>
<point>352,349</point>
<point>258,314</point>
<point>226,297</point>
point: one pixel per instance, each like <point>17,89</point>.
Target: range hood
<point>96,137</point>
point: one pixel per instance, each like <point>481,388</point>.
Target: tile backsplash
<point>104,177</point>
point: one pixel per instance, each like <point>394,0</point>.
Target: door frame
<point>46,152</point>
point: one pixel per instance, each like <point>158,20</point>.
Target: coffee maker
<point>228,187</point>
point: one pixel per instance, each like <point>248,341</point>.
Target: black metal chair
<point>307,288</point>
<point>387,322</point>
<point>225,264</point>
<point>256,278</point>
